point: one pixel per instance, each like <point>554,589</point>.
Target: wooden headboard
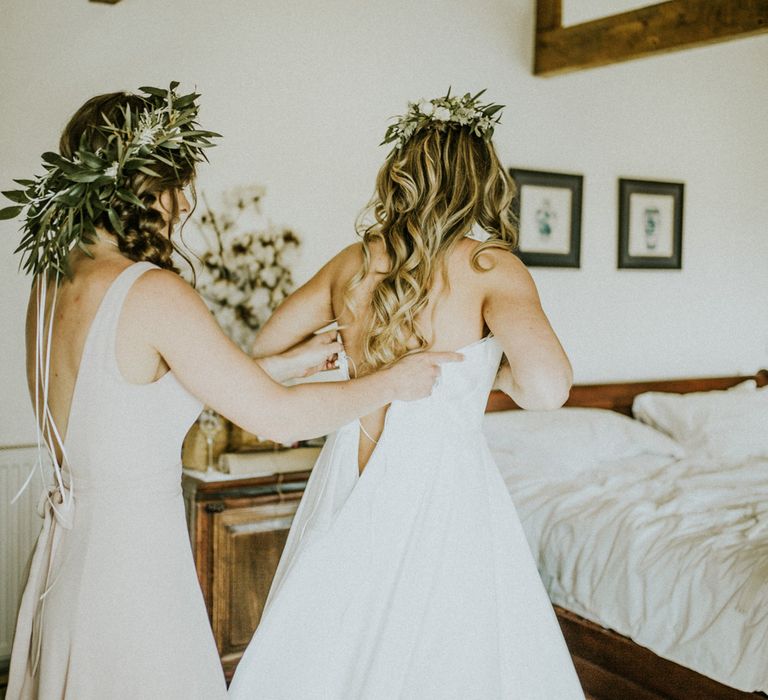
<point>618,397</point>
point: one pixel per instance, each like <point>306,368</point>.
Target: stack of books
<point>266,463</point>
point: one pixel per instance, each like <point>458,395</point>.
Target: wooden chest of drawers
<point>238,529</point>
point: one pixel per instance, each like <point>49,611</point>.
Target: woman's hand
<point>415,376</point>
<point>315,354</point>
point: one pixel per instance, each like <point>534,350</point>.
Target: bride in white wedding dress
<point>406,573</point>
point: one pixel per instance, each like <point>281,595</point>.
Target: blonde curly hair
<point>429,194</point>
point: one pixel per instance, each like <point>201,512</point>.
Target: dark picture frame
<point>650,224</point>
<point>547,207</point>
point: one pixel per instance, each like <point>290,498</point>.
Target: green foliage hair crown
<point>443,112</point>
<point>63,204</point>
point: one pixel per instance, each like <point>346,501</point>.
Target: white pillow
<point>730,426</point>
<point>571,440</point>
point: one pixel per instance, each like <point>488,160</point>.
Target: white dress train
<point>413,580</point>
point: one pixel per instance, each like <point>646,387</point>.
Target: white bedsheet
<point>672,554</point>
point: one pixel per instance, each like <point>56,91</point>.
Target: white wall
<point>302,91</point>
<point>578,11</point>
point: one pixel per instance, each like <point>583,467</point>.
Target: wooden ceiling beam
<point>549,15</point>
<point>666,26</point>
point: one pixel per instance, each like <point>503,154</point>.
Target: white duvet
<point>671,553</point>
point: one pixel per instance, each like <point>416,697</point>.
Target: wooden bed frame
<point>612,666</point>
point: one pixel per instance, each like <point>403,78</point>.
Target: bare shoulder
<point>352,256</point>
<point>347,259</point>
<point>347,263</point>
<point>500,261</point>
<point>158,280</point>
<point>165,293</point>
<point>498,269</point>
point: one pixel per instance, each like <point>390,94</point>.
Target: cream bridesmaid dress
<point>112,609</point>
<point>413,581</point>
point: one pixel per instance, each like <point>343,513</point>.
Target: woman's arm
<point>539,375</point>
<point>280,346</point>
<point>301,314</point>
<point>317,353</point>
<point>181,328</point>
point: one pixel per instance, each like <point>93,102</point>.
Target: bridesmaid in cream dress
<point>112,608</point>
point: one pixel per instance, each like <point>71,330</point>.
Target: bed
<point>655,562</point>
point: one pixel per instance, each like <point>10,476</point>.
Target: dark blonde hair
<point>142,237</point>
<point>429,195</point>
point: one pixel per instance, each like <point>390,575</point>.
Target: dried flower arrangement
<point>245,270</point>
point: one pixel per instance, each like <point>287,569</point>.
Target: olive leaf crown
<point>63,204</point>
<point>444,112</point>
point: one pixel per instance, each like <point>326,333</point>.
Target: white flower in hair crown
<point>444,112</point>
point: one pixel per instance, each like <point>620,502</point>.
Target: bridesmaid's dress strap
<point>112,305</point>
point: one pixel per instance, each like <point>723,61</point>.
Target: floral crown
<point>63,204</point>
<point>446,111</point>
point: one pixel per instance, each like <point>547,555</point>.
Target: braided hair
<point>143,228</point>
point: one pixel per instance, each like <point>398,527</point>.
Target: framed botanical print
<point>650,224</point>
<point>548,211</point>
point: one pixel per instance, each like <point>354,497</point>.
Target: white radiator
<point>19,528</point>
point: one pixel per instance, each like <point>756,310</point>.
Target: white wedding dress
<point>413,580</point>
